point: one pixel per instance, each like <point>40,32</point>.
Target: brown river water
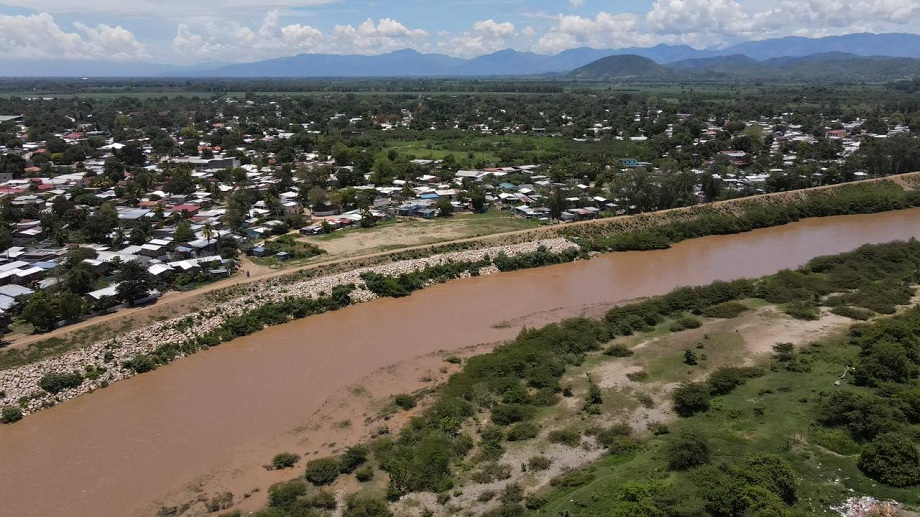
<point>117,450</point>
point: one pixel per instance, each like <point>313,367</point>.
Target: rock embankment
<point>109,360</point>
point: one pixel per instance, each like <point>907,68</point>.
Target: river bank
<point>116,358</point>
<point>110,360</point>
<point>163,431</point>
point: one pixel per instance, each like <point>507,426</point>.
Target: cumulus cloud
<point>38,36</point>
<point>179,10</point>
<point>708,22</point>
<point>386,35</point>
<point>234,41</point>
<point>603,31</point>
<point>240,30</point>
<point>486,36</point>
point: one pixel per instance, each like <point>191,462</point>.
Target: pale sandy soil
<point>770,327</point>
<point>402,234</point>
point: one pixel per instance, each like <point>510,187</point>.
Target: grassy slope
<point>772,414</point>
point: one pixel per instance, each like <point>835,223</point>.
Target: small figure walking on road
<point>247,274</point>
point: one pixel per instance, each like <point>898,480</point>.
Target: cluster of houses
<point>32,263</point>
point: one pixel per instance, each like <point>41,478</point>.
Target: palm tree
<point>208,233</point>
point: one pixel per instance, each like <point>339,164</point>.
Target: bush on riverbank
<point>55,382</point>
<point>10,414</point>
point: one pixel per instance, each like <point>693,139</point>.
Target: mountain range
<point>833,52</point>
<point>828,66</point>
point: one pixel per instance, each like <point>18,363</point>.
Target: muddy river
<point>116,451</point>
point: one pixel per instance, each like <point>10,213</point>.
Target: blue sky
<point>193,31</point>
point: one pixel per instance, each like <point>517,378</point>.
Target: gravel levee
<point>20,386</point>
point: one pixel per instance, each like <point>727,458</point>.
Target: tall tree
<point>556,203</point>
<point>135,282</point>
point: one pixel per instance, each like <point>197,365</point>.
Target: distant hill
<point>66,68</point>
<point>832,66</point>
<point>402,63</point>
<point>409,63</point>
<point>625,68</point>
<point>865,44</point>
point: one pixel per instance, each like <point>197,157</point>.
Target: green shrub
<point>725,310</point>
<point>772,473</point>
<point>353,458</point>
<point>507,510</point>
<point>802,311</point>
<point>365,473</point>
<point>141,363</point>
<point>322,471</point>
<point>687,450</point>
<point>538,463</point>
<point>685,323</point>
<point>324,500</point>
<point>659,429</point>
<point>615,439</point>
<point>284,494</point>
<point>523,431</point>
<point>570,437</point>
<point>55,382</point>
<point>10,414</point>
<point>512,493</point>
<point>544,397</point>
<point>405,401</point>
<point>852,312</point>
<point>691,398</point>
<point>534,502</point>
<point>506,414</point>
<point>835,440</point>
<point>573,479</point>
<point>639,376</point>
<point>219,502</point>
<point>726,378</point>
<point>364,506</point>
<point>593,399</point>
<point>618,351</point>
<point>491,472</point>
<point>893,459</point>
<point>285,460</point>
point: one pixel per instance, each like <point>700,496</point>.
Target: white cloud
<point>486,37</point>
<point>38,36</point>
<point>708,22</point>
<point>233,41</point>
<point>177,10</point>
<point>369,38</point>
<point>491,29</point>
<point>240,30</point>
<point>603,31</point>
<point>236,42</point>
